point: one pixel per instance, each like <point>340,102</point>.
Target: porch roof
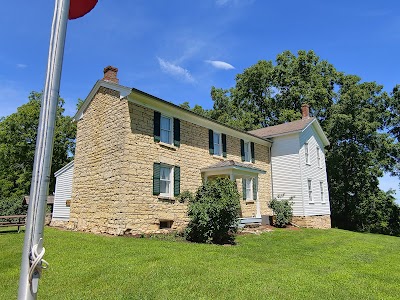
<point>231,167</point>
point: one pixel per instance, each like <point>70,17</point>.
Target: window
<point>318,157</point>
<point>307,154</point>
<point>165,181</point>
<point>249,188</point>
<point>217,144</point>
<point>310,199</point>
<point>321,186</point>
<point>247,153</point>
<point>166,129</point>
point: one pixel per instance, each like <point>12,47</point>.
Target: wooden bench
<point>14,220</point>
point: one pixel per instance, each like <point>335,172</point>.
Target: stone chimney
<point>305,111</point>
<point>110,74</point>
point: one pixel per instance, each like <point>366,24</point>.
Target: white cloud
<point>21,66</point>
<point>220,64</point>
<point>175,70</point>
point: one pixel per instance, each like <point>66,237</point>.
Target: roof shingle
<point>290,127</point>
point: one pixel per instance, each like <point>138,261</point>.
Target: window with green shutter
<point>166,180</point>
<point>156,179</point>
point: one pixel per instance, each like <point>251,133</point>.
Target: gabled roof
<point>63,169</point>
<point>290,128</point>
<point>155,103</point>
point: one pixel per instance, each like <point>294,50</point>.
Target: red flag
<point>79,8</point>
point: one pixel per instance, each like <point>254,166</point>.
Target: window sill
<point>166,198</point>
<point>308,164</point>
<point>250,201</point>
<point>219,157</point>
<point>170,146</point>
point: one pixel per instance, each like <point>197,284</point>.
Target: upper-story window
<point>217,143</point>
<point>318,157</point>
<point>166,129</point>
<point>307,153</point>
<point>247,151</point>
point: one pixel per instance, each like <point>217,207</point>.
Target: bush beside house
<point>214,212</point>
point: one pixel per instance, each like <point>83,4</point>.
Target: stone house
<point>135,153</point>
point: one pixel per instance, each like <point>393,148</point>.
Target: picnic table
<point>13,220</point>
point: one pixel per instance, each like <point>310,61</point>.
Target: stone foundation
<point>58,223</point>
<point>321,222</point>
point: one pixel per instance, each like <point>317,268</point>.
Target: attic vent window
<point>166,224</point>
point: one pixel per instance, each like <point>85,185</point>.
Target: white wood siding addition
<point>63,192</point>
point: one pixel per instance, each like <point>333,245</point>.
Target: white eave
<point>168,108</point>
<point>123,90</point>
<point>63,169</point>
<point>319,130</point>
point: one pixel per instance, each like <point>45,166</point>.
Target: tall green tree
<point>360,119</point>
<point>18,133</point>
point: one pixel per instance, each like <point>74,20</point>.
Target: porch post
<point>258,206</point>
<point>232,177</point>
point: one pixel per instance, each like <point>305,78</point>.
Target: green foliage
<point>185,196</point>
<point>12,205</point>
<point>18,133</point>
<point>359,118</point>
<point>283,210</point>
<point>214,212</point>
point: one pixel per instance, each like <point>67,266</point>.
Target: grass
<point>284,264</point>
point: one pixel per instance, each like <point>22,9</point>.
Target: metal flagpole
<point>33,250</point>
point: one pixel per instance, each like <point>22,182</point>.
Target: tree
<point>359,118</point>
<point>17,146</point>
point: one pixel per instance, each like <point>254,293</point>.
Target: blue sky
<point>178,49</point>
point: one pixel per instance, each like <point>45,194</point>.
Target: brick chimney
<point>305,111</point>
<point>110,74</point>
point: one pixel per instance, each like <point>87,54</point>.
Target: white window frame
<point>170,131</point>
<point>249,190</point>
<point>319,157</point>
<point>170,180</point>
<point>321,187</point>
<point>247,151</point>
<point>309,188</point>
<point>307,153</point>
<point>218,143</point>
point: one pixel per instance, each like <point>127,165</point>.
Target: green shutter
<point>157,129</point>
<point>242,149</point>
<point>156,179</point>
<point>223,136</point>
<point>244,188</point>
<point>177,180</point>
<point>211,141</point>
<point>255,188</point>
<point>177,132</point>
<point>253,159</point>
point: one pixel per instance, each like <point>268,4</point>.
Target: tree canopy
<point>18,133</point>
<point>360,119</point>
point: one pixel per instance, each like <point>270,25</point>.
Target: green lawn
<point>284,264</point>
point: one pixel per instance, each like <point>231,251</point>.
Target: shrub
<point>283,210</point>
<point>214,213</point>
<point>185,196</point>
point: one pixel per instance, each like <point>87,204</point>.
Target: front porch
<point>251,204</point>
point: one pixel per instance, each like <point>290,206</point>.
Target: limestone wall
<point>322,222</point>
<point>113,174</point>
